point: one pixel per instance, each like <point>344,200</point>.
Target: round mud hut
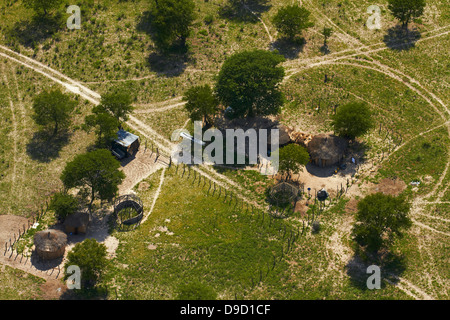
<point>50,244</point>
<point>326,149</point>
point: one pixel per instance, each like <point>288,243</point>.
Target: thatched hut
<point>326,149</point>
<point>77,223</point>
<point>50,244</point>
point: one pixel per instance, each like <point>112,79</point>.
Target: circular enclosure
<point>283,194</point>
<point>129,211</point>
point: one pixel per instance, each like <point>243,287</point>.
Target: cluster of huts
<point>51,243</point>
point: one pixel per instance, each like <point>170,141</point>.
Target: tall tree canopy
<point>63,204</point>
<point>98,171</point>
<point>201,104</point>
<point>352,120</point>
<point>105,125</point>
<point>379,219</point>
<point>248,83</point>
<point>291,20</point>
<point>53,109</point>
<point>406,10</point>
<point>118,103</point>
<point>171,21</point>
<point>291,158</point>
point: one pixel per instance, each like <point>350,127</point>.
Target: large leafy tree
<point>90,257</point>
<point>42,6</point>
<point>406,10</point>
<point>248,83</point>
<point>380,219</point>
<point>98,171</point>
<point>53,109</point>
<point>201,103</point>
<point>352,120</point>
<point>291,158</point>
<point>171,21</point>
<point>118,103</point>
<point>104,123</point>
<point>291,20</point>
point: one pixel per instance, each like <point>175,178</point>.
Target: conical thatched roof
<point>50,241</point>
<point>326,147</point>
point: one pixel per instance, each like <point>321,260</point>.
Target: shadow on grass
<point>391,267</point>
<point>36,30</point>
<point>44,147</point>
<point>241,10</point>
<point>399,38</point>
<point>288,48</point>
<point>170,62</point>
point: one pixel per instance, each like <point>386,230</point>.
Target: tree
<point>248,83</point>
<point>90,257</point>
<point>201,104</point>
<point>326,32</point>
<point>63,204</point>
<point>53,108</point>
<point>406,10</point>
<point>118,103</point>
<point>291,158</point>
<point>196,291</point>
<point>42,6</point>
<point>171,21</point>
<point>379,219</point>
<point>98,171</point>
<point>291,20</point>
<point>352,120</point>
<point>105,125</point>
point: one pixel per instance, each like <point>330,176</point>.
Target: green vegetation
<point>105,125</point>
<point>291,159</point>
<point>380,218</point>
<point>406,10</point>
<point>201,104</point>
<point>96,173</point>
<point>53,108</point>
<point>352,120</point>
<point>171,21</point>
<point>90,256</point>
<point>63,204</point>
<point>291,20</point>
<point>248,83</point>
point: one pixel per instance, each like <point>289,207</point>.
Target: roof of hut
<point>77,219</point>
<point>50,240</point>
<point>326,146</point>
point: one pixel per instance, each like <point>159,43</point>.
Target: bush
<point>63,204</point>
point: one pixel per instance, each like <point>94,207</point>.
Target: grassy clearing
<point>18,285</point>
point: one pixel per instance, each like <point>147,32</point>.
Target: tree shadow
<point>36,30</point>
<point>399,38</point>
<point>241,10</point>
<point>44,147</point>
<point>324,49</point>
<point>170,62</point>
<point>391,265</point>
<point>288,48</point>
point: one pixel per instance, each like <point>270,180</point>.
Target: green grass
<point>198,237</point>
<point>18,285</point>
